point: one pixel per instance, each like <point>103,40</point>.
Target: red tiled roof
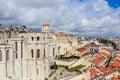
<point>86,54</point>
<point>100,57</point>
<point>98,60</point>
<point>116,78</point>
<point>94,73</point>
<point>63,35</point>
<point>60,34</point>
<point>115,63</point>
<point>82,49</point>
<point>97,72</point>
<point>105,71</point>
<point>45,24</point>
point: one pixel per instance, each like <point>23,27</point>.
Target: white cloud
<point>88,17</point>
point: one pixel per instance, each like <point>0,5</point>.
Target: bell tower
<point>45,27</point>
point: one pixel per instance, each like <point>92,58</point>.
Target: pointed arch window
<point>32,38</point>
<point>16,49</point>
<point>21,49</point>
<point>38,53</point>
<point>38,38</point>
<point>32,53</point>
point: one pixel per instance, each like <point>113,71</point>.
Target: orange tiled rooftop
<point>45,24</point>
<point>86,54</point>
<point>116,78</point>
<point>82,49</point>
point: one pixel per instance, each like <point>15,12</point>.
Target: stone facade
<point>25,54</point>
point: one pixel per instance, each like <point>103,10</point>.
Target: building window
<point>32,38</point>
<point>38,38</point>
<point>38,53</point>
<point>6,41</point>
<point>0,55</point>
<point>21,49</point>
<point>44,54</point>
<point>16,45</point>
<point>32,53</point>
<point>7,55</point>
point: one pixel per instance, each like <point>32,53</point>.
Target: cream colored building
<point>26,54</point>
<point>66,43</point>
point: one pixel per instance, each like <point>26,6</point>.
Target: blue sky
<point>80,17</point>
<point>114,3</point>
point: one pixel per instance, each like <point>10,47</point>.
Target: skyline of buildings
<point>60,40</point>
<point>29,55</point>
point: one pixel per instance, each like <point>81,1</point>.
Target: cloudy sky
<point>80,17</point>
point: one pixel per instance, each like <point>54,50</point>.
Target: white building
<point>25,54</point>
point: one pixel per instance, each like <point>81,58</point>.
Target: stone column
<point>24,62</point>
<point>3,65</point>
<point>42,60</point>
<point>18,66</point>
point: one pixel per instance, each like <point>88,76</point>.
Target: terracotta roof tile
<point>45,24</point>
<point>116,78</point>
<point>94,73</point>
<point>105,71</point>
<point>115,63</point>
<point>86,54</point>
<point>60,34</point>
<point>82,49</point>
<point>98,60</point>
